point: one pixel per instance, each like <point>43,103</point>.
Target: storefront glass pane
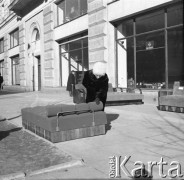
<point>150,22</point>
<point>175,15</point>
<point>150,41</point>
<point>85,42</point>
<point>75,45</point>
<point>76,59</point>
<point>64,68</point>
<point>150,67</point>
<point>175,56</point>
<point>127,28</point>
<point>130,58</point>
<point>85,59</point>
<point>64,48</point>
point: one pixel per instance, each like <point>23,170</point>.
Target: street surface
<point>140,131</point>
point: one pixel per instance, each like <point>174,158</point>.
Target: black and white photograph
<point>91,89</point>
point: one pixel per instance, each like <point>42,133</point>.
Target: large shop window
<point>1,45</point>
<point>14,38</point>
<point>15,71</point>
<point>175,56</point>
<point>70,9</point>
<point>2,67</point>
<point>74,56</point>
<point>153,44</point>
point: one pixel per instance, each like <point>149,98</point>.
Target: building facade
<point>42,41</point>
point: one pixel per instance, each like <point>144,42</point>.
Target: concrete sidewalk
<point>139,131</point>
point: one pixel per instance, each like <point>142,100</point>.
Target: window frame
<point>135,35</point>
<point>13,65</point>
<point>64,13</point>
<point>66,42</point>
<point>12,38</point>
<point>1,45</point>
<point>2,67</point>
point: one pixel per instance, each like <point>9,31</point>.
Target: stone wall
<point>48,21</point>
<point>6,77</point>
<point>22,50</point>
<point>97,31</point>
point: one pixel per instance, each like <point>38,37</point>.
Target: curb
<point>70,164</point>
<point>18,175</point>
<point>2,118</point>
<point>13,176</point>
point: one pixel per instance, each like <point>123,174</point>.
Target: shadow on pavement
<point>26,153</point>
<point>5,92</point>
<point>14,117</point>
<point>4,134</point>
<point>110,117</point>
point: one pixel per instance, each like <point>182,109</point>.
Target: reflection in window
<point>150,41</point>
<point>2,67</point>
<point>130,58</point>
<point>15,71</point>
<point>127,28</point>
<point>150,61</point>
<point>175,15</point>
<point>1,45</point>
<point>175,56</point>
<point>157,59</point>
<point>75,45</point>
<point>14,38</point>
<point>74,56</point>
<point>150,22</point>
<point>71,9</point>
<point>150,66</point>
<point>64,48</point>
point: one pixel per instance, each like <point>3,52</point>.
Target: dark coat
<point>1,79</point>
<point>71,80</point>
<point>96,88</point>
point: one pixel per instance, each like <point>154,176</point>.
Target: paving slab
<point>21,151</point>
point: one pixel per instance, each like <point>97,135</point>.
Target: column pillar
<point>97,31</point>
<point>6,64</point>
<point>22,55</point>
<point>48,22</point>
